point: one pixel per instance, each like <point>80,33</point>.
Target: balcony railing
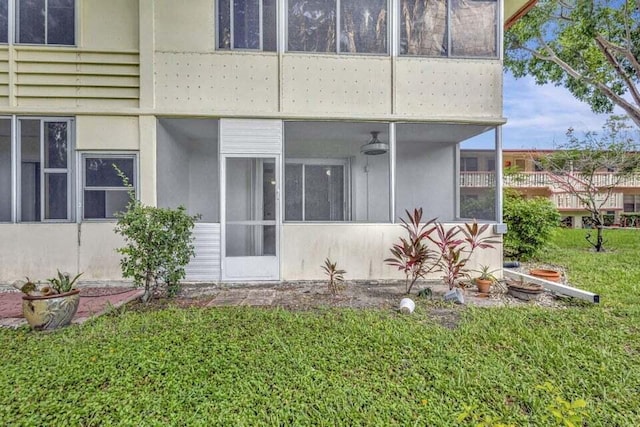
<point>541,179</point>
<point>566,201</point>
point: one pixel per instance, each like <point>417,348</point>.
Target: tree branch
<point>606,47</point>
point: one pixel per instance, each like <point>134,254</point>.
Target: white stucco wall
<point>360,249</point>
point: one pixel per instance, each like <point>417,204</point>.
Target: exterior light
<point>374,146</point>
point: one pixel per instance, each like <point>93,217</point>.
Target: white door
<point>250,217</point>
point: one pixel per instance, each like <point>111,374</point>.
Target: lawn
<point>243,366</point>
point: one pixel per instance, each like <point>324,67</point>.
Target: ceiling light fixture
<point>374,147</point>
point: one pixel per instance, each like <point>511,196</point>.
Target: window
<point>103,191</point>
<point>344,26</point>
<point>5,170</point>
<point>331,175</point>
<point>468,164</point>
<point>247,24</point>
<point>44,175</point>
<point>315,190</point>
<point>631,203</point>
<point>45,22</point>
<point>4,21</point>
<point>461,28</point>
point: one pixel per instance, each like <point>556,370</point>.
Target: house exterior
<point>622,208</point>
<point>254,114</point>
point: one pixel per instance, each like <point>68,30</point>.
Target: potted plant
<point>485,279</point>
<point>52,305</point>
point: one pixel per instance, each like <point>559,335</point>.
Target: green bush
<point>158,244</point>
<point>530,222</point>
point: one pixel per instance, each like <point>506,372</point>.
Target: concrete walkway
<point>93,303</point>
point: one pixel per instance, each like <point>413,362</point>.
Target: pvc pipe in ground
<point>407,306</point>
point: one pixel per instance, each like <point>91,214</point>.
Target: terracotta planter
<point>525,291</point>
<point>50,312</point>
<point>484,285</point>
<point>551,275</point>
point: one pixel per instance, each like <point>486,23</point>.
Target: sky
<point>538,116</point>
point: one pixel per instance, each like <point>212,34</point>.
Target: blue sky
<point>538,116</point>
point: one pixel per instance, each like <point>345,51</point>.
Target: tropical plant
<point>457,245</point>
<point>411,255</point>
<point>63,283</point>
<point>158,244</point>
<point>485,273</point>
<point>335,276</point>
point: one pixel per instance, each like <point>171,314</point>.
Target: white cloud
<point>539,116</point>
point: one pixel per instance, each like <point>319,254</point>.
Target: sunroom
<point>277,197</point>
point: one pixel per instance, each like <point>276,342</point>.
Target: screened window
<point>247,24</point>
<point>631,203</point>
<point>5,170</point>
<point>104,191</point>
<point>462,28</point>
<point>315,191</point>
<point>45,170</point>
<point>468,164</point>
<point>45,22</point>
<point>344,26</point>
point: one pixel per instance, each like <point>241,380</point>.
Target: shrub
<point>158,244</point>
<point>530,222</point>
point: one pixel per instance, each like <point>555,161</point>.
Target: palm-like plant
<point>335,276</point>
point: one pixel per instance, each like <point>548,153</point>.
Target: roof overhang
<point>516,9</point>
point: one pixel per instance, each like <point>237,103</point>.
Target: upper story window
<point>343,26</point>
<point>460,28</point>
<point>4,21</point>
<point>46,22</point>
<point>247,24</point>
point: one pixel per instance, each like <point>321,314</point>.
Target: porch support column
<point>499,196</point>
<point>148,161</point>
<point>392,172</point>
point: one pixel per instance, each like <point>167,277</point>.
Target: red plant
<point>456,250</point>
<point>411,255</point>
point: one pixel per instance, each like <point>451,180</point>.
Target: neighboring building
<point>250,113</point>
<point>622,208</point>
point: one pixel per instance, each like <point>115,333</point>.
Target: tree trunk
<point>599,240</point>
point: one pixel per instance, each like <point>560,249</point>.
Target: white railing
<point>541,179</point>
<point>608,179</point>
<point>566,201</point>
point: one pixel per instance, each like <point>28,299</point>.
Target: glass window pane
<point>55,194</point>
<point>363,26</point>
<point>31,16</point>
<point>269,26</point>
<point>312,25</point>
<point>246,24</point>
<point>5,170</point>
<point>473,27</point>
<point>56,150</point>
<point>224,24</point>
<point>423,28</point>
<point>324,193</point>
<point>61,22</point>
<point>101,172</point>
<point>30,170</point>
<point>104,204</point>
<point>4,21</point>
<point>250,240</point>
<point>293,192</point>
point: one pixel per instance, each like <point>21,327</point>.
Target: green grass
<point>243,366</point>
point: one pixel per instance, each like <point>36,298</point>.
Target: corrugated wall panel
<point>205,266</point>
<point>248,136</point>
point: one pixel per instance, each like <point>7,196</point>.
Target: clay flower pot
<point>51,311</point>
<point>551,275</point>
<point>525,291</point>
<point>484,285</point>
